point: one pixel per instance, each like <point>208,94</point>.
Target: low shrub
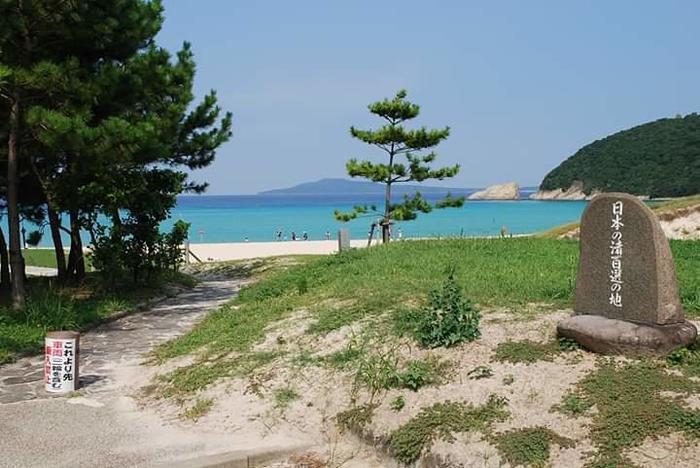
<point>448,318</point>
<point>529,446</point>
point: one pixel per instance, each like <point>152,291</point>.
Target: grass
<point>40,257</point>
<point>50,308</point>
<point>528,446</point>
<point>630,407</point>
<point>341,289</point>
<point>200,408</point>
<point>442,421</point>
<point>284,397</point>
<point>527,352</point>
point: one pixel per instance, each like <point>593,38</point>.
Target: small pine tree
<point>398,142</point>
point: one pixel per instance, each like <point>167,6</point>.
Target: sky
<point>522,85</point>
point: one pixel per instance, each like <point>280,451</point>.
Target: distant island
<point>656,159</point>
<point>355,187</point>
<point>352,187</point>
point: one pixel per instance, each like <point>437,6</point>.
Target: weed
<point>356,418</point>
<point>302,285</point>
<point>529,446</point>
<point>198,410</point>
<point>377,372</point>
<point>442,421</point>
<point>573,404</point>
<point>284,396</point>
<point>343,358</point>
<point>194,377</point>
<point>526,352</point>
<point>448,318</point>
<point>630,407</point>
<point>421,373</point>
<point>480,372</point>
<point>687,360</point>
<point>398,403</point>
<point>567,344</point>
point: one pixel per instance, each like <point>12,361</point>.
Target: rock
<point>575,192</point>
<point>635,282</point>
<point>613,336</point>
<point>508,191</point>
<point>627,276</point>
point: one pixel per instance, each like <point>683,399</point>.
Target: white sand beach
<point>245,250</point>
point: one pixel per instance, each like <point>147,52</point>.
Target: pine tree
<point>398,142</point>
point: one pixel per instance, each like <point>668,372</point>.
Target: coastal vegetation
<point>398,142</point>
<point>406,395</point>
<point>346,288</point>
<point>100,130</point>
<point>658,159</point>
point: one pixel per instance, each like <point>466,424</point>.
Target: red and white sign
<point>61,364</point>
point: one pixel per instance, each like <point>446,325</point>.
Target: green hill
<point>659,159</point>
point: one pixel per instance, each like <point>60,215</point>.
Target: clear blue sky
<point>522,84</point>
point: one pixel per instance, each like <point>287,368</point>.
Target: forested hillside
<point>660,159</point>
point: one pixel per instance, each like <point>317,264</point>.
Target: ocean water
<point>257,218</point>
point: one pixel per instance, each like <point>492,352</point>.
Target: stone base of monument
<point>613,336</point>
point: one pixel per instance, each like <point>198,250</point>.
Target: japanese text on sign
<point>616,247</point>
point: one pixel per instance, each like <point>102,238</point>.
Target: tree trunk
<point>16,260</point>
<point>76,260</point>
<point>371,234</point>
<point>4,264</point>
<point>55,223</point>
<point>386,222</point>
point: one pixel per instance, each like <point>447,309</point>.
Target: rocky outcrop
<point>509,191</point>
<point>575,192</point>
<point>683,223</point>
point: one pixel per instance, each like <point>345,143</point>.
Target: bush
<point>141,251</point>
<point>448,318</point>
<point>33,238</point>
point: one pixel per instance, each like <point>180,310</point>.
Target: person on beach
<point>294,236</point>
<point>305,235</point>
<point>278,234</point>
<point>328,235</point>
<point>399,233</point>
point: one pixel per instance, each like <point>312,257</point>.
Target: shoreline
<point>208,252</point>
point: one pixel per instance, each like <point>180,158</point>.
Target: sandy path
<point>104,426</point>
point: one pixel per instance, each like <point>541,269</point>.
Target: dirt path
<point>104,426</point>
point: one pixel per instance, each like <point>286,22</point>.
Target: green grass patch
<point>529,446</point>
<point>442,421</point>
<point>186,380</point>
<point>40,257</point>
<point>573,404</point>
<point>356,418</point>
<point>338,290</point>
<point>630,407</point>
<point>527,352</point>
<point>284,397</point>
<point>200,408</point>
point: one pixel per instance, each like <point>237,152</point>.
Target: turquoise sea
<point>258,217</point>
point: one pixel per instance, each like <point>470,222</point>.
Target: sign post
<point>61,356</point>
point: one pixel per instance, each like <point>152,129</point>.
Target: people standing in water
<point>305,235</point>
<point>328,235</point>
<point>278,234</point>
<point>294,236</point>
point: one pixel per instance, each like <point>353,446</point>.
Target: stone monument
<point>343,240</point>
<point>626,299</point>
